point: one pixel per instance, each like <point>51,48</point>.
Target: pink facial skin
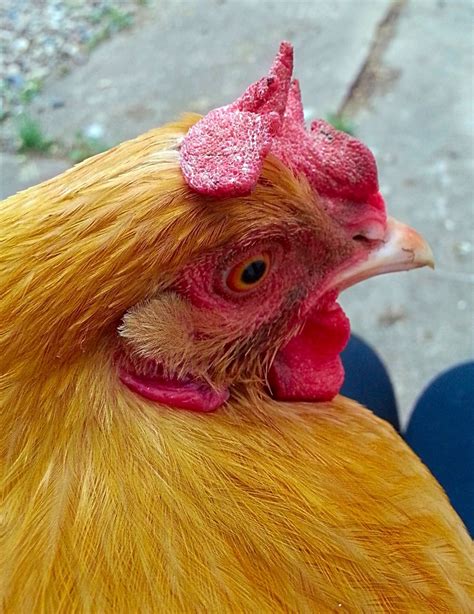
<point>277,298</point>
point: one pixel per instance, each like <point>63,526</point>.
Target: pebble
<point>94,131</point>
<point>42,38</point>
<point>105,83</point>
<point>57,103</point>
<point>21,44</point>
<point>463,248</point>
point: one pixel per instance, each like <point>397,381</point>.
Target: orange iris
<point>249,273</point>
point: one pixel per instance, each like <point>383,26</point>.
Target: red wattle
<point>309,368</point>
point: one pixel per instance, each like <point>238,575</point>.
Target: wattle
<point>309,367</point>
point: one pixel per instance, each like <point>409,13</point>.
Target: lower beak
<point>401,249</point>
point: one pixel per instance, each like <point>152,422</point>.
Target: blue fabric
<point>367,381</point>
<point>441,428</point>
<point>441,432</point>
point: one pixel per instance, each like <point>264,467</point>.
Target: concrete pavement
<point>421,130</point>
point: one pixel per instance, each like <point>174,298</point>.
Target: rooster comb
<point>222,154</point>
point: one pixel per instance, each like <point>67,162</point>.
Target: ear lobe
<point>222,155</point>
<point>175,393</point>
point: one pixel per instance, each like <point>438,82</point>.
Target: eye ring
<point>249,273</point>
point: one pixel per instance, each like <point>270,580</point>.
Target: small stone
<point>104,83</point>
<point>71,50</point>
<point>49,48</point>
<point>391,316</point>
<point>16,81</point>
<point>6,36</point>
<point>21,44</point>
<point>13,70</point>
<point>94,131</point>
<point>57,103</point>
<point>462,248</point>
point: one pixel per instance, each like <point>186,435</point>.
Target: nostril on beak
<point>373,231</point>
<point>360,238</point>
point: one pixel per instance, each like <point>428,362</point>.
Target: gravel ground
<point>42,38</point>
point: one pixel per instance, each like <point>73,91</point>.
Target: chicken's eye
<point>249,273</point>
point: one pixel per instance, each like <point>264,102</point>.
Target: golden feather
<point>112,504</point>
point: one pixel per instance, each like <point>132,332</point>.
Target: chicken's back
<point>260,507</point>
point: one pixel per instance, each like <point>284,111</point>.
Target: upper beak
<point>401,249</point>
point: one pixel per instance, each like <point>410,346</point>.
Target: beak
<point>401,249</point>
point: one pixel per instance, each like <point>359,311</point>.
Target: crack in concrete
<point>374,77</point>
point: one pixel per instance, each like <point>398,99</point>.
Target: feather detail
<point>120,506</point>
<point>110,503</point>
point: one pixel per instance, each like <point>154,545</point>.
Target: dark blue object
<point>441,432</point>
<point>367,381</point>
<point>441,428</point>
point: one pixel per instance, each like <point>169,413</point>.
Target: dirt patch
<point>374,78</point>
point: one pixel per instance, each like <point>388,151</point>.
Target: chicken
<point>171,435</point>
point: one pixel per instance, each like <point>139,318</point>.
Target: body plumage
<point>114,503</point>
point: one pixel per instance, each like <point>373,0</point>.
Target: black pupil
<point>254,272</point>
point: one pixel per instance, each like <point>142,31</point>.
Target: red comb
<point>347,165</point>
<point>294,114</point>
<point>335,163</point>
<point>222,155</point>
<point>270,93</point>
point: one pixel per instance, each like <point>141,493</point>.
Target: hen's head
<point>263,305</point>
<point>203,257</point>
